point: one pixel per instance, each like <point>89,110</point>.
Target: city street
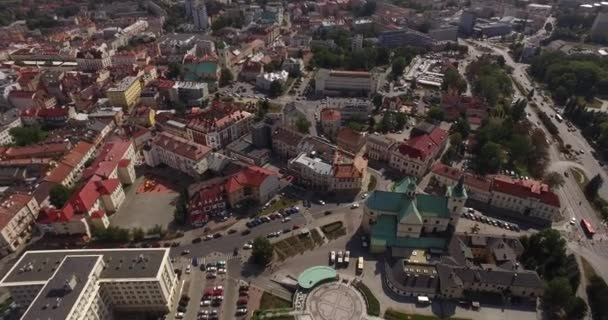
<point>574,202</point>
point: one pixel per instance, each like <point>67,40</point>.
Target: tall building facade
<point>197,10</point>
<point>599,29</point>
<point>92,284</point>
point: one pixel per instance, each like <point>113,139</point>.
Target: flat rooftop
<point>58,296</point>
<point>39,266</point>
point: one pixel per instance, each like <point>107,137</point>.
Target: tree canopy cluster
<point>367,9</point>
<point>489,79</point>
<point>505,141</point>
<point>568,75</point>
<point>593,125</point>
<point>597,293</point>
<point>545,252</point>
<point>59,195</point>
<point>338,58</point>
<point>453,79</point>
<point>228,21</point>
<point>262,251</point>
<point>392,121</point>
<point>24,136</point>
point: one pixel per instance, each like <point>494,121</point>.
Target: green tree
<point>554,179</point>
<point>59,195</point>
<point>303,125</point>
<point>576,308</point>
<point>545,253</point>
<point>518,110</point>
<point>174,70</point>
<point>138,234</point>
<point>377,100</point>
<point>398,66</point>
<point>453,79</point>
<point>180,214</point>
<point>276,88</point>
<point>490,159</point>
<point>557,292</point>
<point>462,126</point>
<point>435,114</point>
<point>597,292</point>
<point>262,251</point>
<point>593,186</point>
<point>548,27</point>
<point>226,77</point>
<point>24,136</point>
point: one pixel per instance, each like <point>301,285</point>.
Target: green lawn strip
<point>392,314</point>
<point>270,301</point>
<point>373,305</point>
<point>279,204</point>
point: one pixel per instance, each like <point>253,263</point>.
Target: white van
<point>423,300</point>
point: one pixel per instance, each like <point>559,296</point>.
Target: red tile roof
<point>10,205</point>
<point>108,158</point>
<point>251,176</point>
<point>526,189</point>
<point>124,163</point>
<point>419,147</point>
<point>38,150</point>
<point>85,198</point>
<point>181,146</point>
<point>330,115</point>
<point>59,173</point>
<point>438,136</point>
<point>50,215</point>
<point>470,180</point>
<point>107,187</point>
<point>98,214</point>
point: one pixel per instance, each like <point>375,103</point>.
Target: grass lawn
<point>594,104</point>
<point>274,107</point>
<point>270,301</point>
<point>587,268</point>
<point>297,244</point>
<point>391,314</point>
<point>372,183</point>
<point>277,205</point>
<point>373,305</point>
<point>580,177</point>
<point>334,230</point>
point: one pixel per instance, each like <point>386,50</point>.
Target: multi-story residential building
<point>70,167</point>
<point>18,213</point>
<point>265,80</point>
<point>335,82</point>
<point>93,59</point>
<point>404,218</point>
<point>178,153</point>
<point>378,147</point>
<point>251,70</point>
<point>404,37</point>
<point>218,132</point>
<point>213,197</point>
<point>285,142</point>
<point>331,120</point>
<point>444,33</point>
<point>493,29</point>
<point>125,94</point>
<point>9,120</point>
<point>478,187</point>
<point>350,140</point>
<point>188,92</point>
<point>92,284</point>
<point>44,150</point>
<point>526,197</point>
<point>414,156</point>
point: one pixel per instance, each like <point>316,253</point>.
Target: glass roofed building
<point>404,218</point>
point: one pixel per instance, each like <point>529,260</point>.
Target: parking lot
<point>475,222</point>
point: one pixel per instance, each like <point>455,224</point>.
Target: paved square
<point>145,210</point>
<point>335,301</point>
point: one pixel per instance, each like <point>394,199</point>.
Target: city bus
<point>558,117</point>
<point>587,227</point>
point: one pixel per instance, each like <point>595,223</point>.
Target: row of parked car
<point>284,217</point>
<point>491,221</point>
<point>241,303</point>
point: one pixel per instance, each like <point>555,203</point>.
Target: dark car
<point>217,235</point>
<point>246,232</point>
<point>231,231</point>
<point>197,240</point>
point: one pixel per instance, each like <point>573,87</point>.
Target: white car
<point>347,257</point>
<point>241,310</point>
<point>221,271</point>
<point>363,196</point>
<point>247,246</point>
<point>339,257</point>
<point>355,205</point>
<point>286,219</point>
<point>573,221</point>
<point>332,257</point>
<point>321,202</point>
<point>188,269</point>
<point>205,303</point>
<point>218,288</point>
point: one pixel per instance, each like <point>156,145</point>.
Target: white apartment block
<point>333,82</point>
<point>18,213</point>
<point>8,121</point>
<point>218,133</point>
<point>177,153</point>
<point>92,284</point>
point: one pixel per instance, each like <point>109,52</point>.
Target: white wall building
<point>177,153</point>
<point>92,284</point>
<point>334,82</point>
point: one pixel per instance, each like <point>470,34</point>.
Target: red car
<point>241,302</point>
<point>208,293</point>
<point>218,292</point>
<point>243,293</point>
<point>295,226</point>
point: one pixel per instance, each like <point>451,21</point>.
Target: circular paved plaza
<point>335,301</point>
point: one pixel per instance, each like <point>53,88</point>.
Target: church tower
<point>457,196</point>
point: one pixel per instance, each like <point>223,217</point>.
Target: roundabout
<point>335,301</point>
